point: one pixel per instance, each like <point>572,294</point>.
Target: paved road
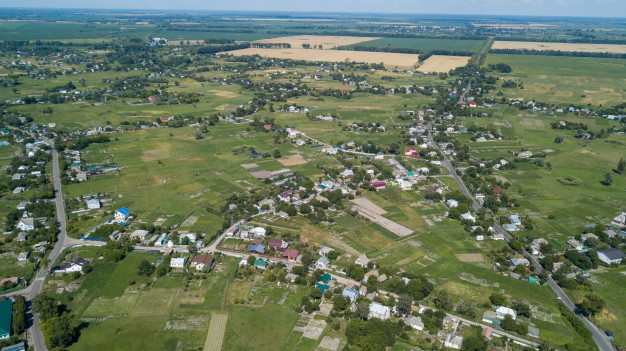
<point>602,341</point>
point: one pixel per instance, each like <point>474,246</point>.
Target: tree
<point>46,306</point>
<point>404,304</point>
<point>621,166</point>
<point>608,179</point>
<point>591,304</point>
<point>497,299</point>
<point>522,309</point>
<point>521,329</point>
<point>276,153</point>
<point>251,260</point>
<point>443,300</point>
<point>19,316</point>
<point>508,323</point>
<point>161,270</point>
<point>340,303</point>
<point>87,268</point>
<point>362,309</point>
<point>558,139</point>
<point>474,343</point>
<point>145,268</point>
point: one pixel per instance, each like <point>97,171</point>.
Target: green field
<point>563,80</point>
<point>424,45</point>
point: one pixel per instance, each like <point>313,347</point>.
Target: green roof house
<point>325,278</point>
<point>6,312</point>
<point>260,263</point>
<point>322,287</point>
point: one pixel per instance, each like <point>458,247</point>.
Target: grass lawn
<point>252,328</point>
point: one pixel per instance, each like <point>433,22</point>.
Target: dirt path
<point>215,336</point>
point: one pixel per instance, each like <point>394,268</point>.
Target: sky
<point>582,8</point>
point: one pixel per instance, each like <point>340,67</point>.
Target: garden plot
<point>329,343</point>
<point>119,306</point>
<point>215,336</point>
<point>315,329</point>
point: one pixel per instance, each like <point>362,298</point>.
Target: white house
<point>502,311</point>
<point>26,224</point>
<point>611,256</point>
<point>468,216</point>
<point>575,244</point>
<point>178,262</point>
<point>619,220</point>
<point>453,341</point>
<point>415,323</point>
<point>330,150</point>
<point>93,204</point>
<point>122,214</point>
<point>75,266</point>
<point>452,203</point>
<point>379,311</point>
<point>362,261</point>
<point>258,231</point>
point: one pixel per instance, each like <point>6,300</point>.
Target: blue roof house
<point>350,293</point>
<point>122,214</point>
<point>258,248</point>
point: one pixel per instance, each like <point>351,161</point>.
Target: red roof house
<point>291,254</point>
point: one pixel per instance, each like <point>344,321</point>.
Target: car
<point>609,334</point>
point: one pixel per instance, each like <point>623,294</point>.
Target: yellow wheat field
<point>388,59</point>
<point>572,47</point>
<point>441,63</point>
<point>326,41</point>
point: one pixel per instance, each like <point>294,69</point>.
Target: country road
<point>601,340</point>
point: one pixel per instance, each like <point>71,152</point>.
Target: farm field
<point>570,47</point>
<point>442,64</point>
<point>316,41</point>
<point>388,59</point>
<point>565,80</point>
<point>421,44</point>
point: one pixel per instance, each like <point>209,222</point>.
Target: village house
<point>122,215</point>
<point>291,254</point>
<point>201,261</point>
<point>378,310</point>
<point>260,263</point>
<point>322,263</point>
<point>26,224</point>
<point>611,256</point>
<point>575,244</point>
<point>178,262</point>
<point>22,236</point>
<point>350,293</point>
<point>502,311</point>
<point>6,313</point>
<point>619,220</point>
<point>76,265</point>
<point>362,261</point>
<point>415,322</point>
<point>93,204</point>
<point>453,341</point>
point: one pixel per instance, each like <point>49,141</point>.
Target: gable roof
<point>256,248</point>
<point>613,254</point>
<point>124,211</point>
<point>203,259</point>
<point>6,312</point>
<point>260,262</point>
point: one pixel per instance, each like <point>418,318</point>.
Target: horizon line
<point>309,12</point>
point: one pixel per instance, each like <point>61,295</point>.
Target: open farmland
<point>439,63</point>
<point>573,47</point>
<point>388,59</point>
<point>319,41</point>
<point>421,44</point>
